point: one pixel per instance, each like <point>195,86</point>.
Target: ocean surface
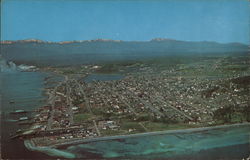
<point>25,89</point>
<point>220,143</point>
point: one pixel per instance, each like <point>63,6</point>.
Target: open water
<point>220,143</point>
<point>25,89</point>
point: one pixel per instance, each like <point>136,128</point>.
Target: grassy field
<point>83,117</point>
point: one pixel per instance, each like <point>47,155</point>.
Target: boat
<point>23,118</point>
<point>20,111</point>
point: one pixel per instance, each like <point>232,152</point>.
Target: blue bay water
<point>25,89</point>
<point>222,143</point>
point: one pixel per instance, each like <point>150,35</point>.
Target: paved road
<point>88,105</point>
<point>51,102</point>
<point>69,103</point>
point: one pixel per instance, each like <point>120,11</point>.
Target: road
<point>87,104</point>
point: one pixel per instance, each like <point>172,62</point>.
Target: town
<point>146,99</point>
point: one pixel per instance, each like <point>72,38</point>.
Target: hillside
<point>93,51</point>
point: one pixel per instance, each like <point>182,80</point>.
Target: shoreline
<point>58,150</point>
<point>29,144</point>
<point>189,130</point>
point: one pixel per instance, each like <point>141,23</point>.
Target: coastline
<point>59,150</point>
<point>25,91</point>
<point>189,130</point>
<point>48,150</point>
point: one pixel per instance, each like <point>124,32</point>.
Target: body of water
<point>220,143</point>
<point>25,91</point>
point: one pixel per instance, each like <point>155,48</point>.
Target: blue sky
<point>141,20</point>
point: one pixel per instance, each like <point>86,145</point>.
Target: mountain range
<point>40,52</point>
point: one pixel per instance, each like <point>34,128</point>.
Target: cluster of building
<point>176,98</point>
<point>167,96</point>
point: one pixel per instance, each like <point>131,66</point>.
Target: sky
<point>130,20</point>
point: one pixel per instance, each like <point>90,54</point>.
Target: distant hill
<point>94,51</point>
